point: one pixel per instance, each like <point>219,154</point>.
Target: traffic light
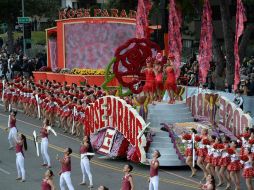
<point>27,34</point>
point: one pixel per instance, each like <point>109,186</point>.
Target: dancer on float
<point>170,84</point>
<point>47,182</point>
<point>187,140</point>
<point>154,171</point>
<point>234,166</point>
<point>85,162</point>
<point>149,87</point>
<point>12,129</point>
<point>210,183</point>
<point>209,156</point>
<point>224,162</point>
<point>248,170</point>
<point>20,159</point>
<point>127,180</point>
<point>159,76</point>
<point>65,173</point>
<point>44,132</point>
<point>202,141</point>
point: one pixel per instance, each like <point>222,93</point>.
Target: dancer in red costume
<point>149,87</point>
<point>47,182</point>
<point>159,76</point>
<point>170,85</point>
<point>248,170</point>
<point>234,166</point>
<point>202,141</point>
<point>187,139</point>
<point>127,181</point>
<point>209,156</point>
<point>210,183</point>
<point>224,162</point>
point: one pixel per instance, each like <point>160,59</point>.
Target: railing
<point>174,141</point>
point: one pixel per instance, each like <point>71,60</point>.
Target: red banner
<point>205,45</point>
<point>174,35</point>
<point>240,19</point>
<point>144,7</point>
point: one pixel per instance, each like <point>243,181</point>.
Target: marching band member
<point>187,139</point>
<point>202,150</point>
<point>127,181</point>
<point>65,173</point>
<point>20,143</point>
<point>84,162</point>
<point>44,143</point>
<point>154,171</point>
<point>234,166</point>
<point>47,182</point>
<point>248,170</point>
<point>12,129</point>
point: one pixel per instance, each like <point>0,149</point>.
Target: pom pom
<point>198,138</point>
<point>186,137</point>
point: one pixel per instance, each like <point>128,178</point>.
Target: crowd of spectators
<point>16,64</point>
<point>190,76</point>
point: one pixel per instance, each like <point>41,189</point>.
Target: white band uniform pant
<point>12,136</point>
<point>154,183</point>
<point>66,177</point>
<point>44,151</point>
<point>20,165</point>
<point>85,168</point>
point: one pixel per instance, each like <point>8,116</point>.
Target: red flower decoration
<point>187,137</point>
<point>130,59</point>
<point>198,138</point>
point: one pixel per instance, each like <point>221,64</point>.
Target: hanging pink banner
<point>205,45</point>
<point>240,19</point>
<point>175,35</point>
<point>144,7</point>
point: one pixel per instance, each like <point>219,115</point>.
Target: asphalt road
<point>105,171</point>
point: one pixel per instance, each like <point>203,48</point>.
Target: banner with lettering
<point>175,35</point>
<point>205,45</point>
<point>240,19</point>
<point>144,7</point>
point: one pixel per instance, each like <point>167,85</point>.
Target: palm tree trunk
<point>10,38</point>
<point>245,41</point>
<point>229,41</point>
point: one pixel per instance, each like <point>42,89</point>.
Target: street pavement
<point>105,171</point>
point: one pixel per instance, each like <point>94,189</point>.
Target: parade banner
<point>240,20</point>
<point>205,45</point>
<point>220,110</point>
<point>174,36</point>
<point>144,7</point>
<point>111,111</point>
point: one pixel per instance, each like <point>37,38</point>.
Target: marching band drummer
<point>12,129</point>
<point>84,162</point>
<point>47,182</point>
<point>44,132</point>
<point>20,143</point>
<point>65,173</point>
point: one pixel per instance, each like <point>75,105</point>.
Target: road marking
<point>108,166</point>
<point>4,171</point>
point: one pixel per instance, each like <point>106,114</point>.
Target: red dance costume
<point>12,122</point>
<point>225,158</point>
<point>202,142</point>
<point>187,139</point>
<point>154,171</point>
<point>171,79</point>
<point>159,81</point>
<point>126,185</point>
<point>209,156</point>
<point>44,133</point>
<point>150,81</point>
<point>45,185</point>
<point>66,165</point>
<point>248,170</point>
<point>217,154</point>
<point>234,164</point>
